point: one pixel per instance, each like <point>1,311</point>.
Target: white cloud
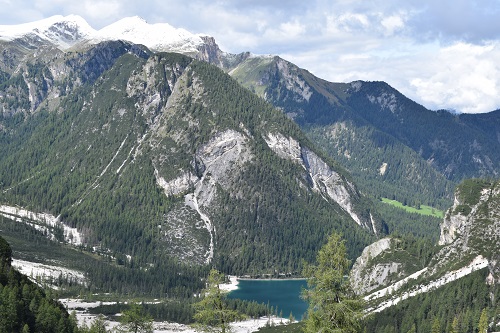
<point>285,31</point>
<point>352,21</point>
<point>101,9</point>
<point>392,23</point>
<point>464,77</point>
<point>452,20</point>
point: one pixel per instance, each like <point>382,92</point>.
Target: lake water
<point>283,294</point>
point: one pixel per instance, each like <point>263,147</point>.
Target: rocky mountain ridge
<point>388,142</point>
<point>469,242</point>
<point>73,32</point>
<point>193,154</point>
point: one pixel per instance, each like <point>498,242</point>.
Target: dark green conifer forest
<point>26,307</point>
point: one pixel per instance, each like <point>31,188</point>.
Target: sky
<point>443,54</point>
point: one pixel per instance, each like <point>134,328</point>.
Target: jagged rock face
<point>222,158</point>
<point>322,177</point>
<point>177,185</point>
<point>471,226</point>
<point>33,85</point>
<point>46,74</point>
<point>453,225</point>
<point>287,148</point>
<point>329,182</point>
<point>365,276</point>
<point>293,82</point>
<point>209,51</point>
<point>470,241</point>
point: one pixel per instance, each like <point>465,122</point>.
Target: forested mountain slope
<point>25,306</point>
<point>393,146</point>
<point>156,154</point>
<point>409,283</point>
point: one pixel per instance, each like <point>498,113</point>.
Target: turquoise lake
<point>283,294</point>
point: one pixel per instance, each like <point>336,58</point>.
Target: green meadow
<point>424,210</point>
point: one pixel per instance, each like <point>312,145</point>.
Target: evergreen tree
<point>436,326</point>
<point>135,320</point>
<point>333,306</point>
<point>483,321</point>
<point>98,325</point>
<point>24,306</point>
<point>454,326</point>
<point>212,313</point>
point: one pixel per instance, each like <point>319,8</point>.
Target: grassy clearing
<point>424,210</point>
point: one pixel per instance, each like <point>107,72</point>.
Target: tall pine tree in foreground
<point>333,306</point>
<point>212,313</point>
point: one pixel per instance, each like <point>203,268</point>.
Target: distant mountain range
<point>393,146</point>
<point>425,153</point>
<point>67,31</point>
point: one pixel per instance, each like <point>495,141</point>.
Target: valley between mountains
<point>133,160</point>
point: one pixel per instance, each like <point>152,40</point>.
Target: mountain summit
<point>67,31</point>
<point>62,31</point>
<point>157,37</point>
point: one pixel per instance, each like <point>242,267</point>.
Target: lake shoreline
<point>234,281</point>
<point>282,295</point>
<point>270,279</point>
<point>81,308</point>
<point>231,285</point>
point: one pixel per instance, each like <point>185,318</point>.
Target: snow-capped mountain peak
<point>157,36</point>
<point>63,31</point>
<point>67,31</point>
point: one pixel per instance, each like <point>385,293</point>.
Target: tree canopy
<point>333,306</point>
<point>212,313</point>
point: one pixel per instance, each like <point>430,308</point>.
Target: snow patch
<point>67,31</point>
<point>478,263</point>
<point>63,31</point>
<point>71,235</point>
<point>81,308</point>
<point>95,184</point>
<point>232,285</point>
<point>112,160</point>
<point>158,36</point>
<point>372,220</point>
<point>42,272</point>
